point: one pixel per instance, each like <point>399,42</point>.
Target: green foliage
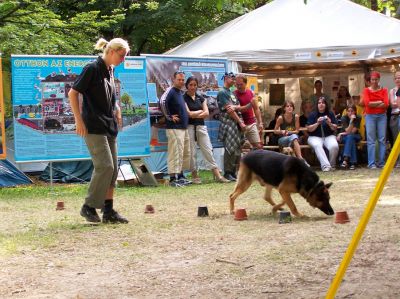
<point>127,100</point>
<point>72,27</point>
<point>36,27</point>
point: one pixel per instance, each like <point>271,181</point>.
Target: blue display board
<point>44,125</point>
<point>160,70</point>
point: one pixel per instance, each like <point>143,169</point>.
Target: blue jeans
<point>350,146</point>
<point>375,125</point>
<point>287,140</point>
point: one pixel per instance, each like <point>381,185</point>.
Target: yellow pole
<point>364,219</point>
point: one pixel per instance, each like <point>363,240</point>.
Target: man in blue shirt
<point>177,118</point>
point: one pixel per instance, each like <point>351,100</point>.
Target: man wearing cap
<point>231,128</point>
<point>250,111</point>
<point>177,119</point>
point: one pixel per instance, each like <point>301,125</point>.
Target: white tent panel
<point>291,31</point>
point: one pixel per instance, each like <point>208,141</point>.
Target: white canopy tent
<point>288,36</point>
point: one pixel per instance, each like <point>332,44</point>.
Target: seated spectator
<point>355,100</point>
<point>350,137</point>
<point>272,138</point>
<point>321,126</point>
<point>287,126</point>
<point>306,109</point>
<point>342,101</point>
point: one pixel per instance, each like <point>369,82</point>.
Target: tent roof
<point>287,31</point>
<point>11,176</point>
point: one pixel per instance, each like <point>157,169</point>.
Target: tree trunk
<point>374,5</point>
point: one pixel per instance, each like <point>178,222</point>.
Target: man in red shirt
<point>250,112</point>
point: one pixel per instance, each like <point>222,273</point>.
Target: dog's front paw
<point>300,215</point>
<point>232,212</point>
<point>277,208</point>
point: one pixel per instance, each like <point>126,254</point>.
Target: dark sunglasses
<point>230,74</point>
<point>179,73</point>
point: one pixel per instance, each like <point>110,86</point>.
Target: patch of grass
<point>29,240</point>
<point>35,191</point>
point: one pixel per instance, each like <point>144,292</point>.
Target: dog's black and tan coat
<point>285,173</point>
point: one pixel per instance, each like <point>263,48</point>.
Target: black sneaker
<point>114,217</point>
<point>229,177</point>
<point>90,214</point>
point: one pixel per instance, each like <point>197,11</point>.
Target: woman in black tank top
<point>287,126</point>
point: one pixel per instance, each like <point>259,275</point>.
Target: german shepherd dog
<point>285,173</point>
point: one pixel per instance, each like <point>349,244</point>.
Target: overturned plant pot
<point>342,217</point>
<point>60,205</point>
<point>284,217</point>
<point>202,211</point>
<point>240,214</point>
<point>149,209</point>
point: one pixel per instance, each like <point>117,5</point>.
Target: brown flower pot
<point>149,209</point>
<point>60,205</point>
<point>240,214</point>
<point>202,211</point>
<point>284,217</point>
<point>342,217</point>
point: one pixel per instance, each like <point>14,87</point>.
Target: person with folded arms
<point>196,106</point>
<point>376,102</point>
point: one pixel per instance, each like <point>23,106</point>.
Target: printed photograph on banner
<point>2,123</point>
<point>160,70</point>
<point>44,126</point>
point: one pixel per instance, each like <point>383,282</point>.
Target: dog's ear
<point>328,185</point>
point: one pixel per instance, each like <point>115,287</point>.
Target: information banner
<point>2,123</point>
<point>160,70</point>
<point>44,125</point>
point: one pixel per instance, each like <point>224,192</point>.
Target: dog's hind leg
<point>268,198</point>
<point>244,180</point>
<point>267,195</point>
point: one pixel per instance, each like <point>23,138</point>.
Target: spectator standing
<point>250,111</point>
<point>177,118</point>
<point>394,96</point>
<point>376,102</point>
<point>98,124</point>
<point>231,128</point>
<point>318,94</point>
<point>198,134</point>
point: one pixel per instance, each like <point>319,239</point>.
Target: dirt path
<point>174,254</point>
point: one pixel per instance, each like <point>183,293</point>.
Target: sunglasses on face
<point>179,73</point>
<point>229,75</point>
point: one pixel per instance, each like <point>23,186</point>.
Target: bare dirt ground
<point>174,254</point>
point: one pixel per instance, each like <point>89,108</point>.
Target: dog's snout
<point>329,211</point>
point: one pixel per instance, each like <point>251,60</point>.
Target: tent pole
<point>51,177</point>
